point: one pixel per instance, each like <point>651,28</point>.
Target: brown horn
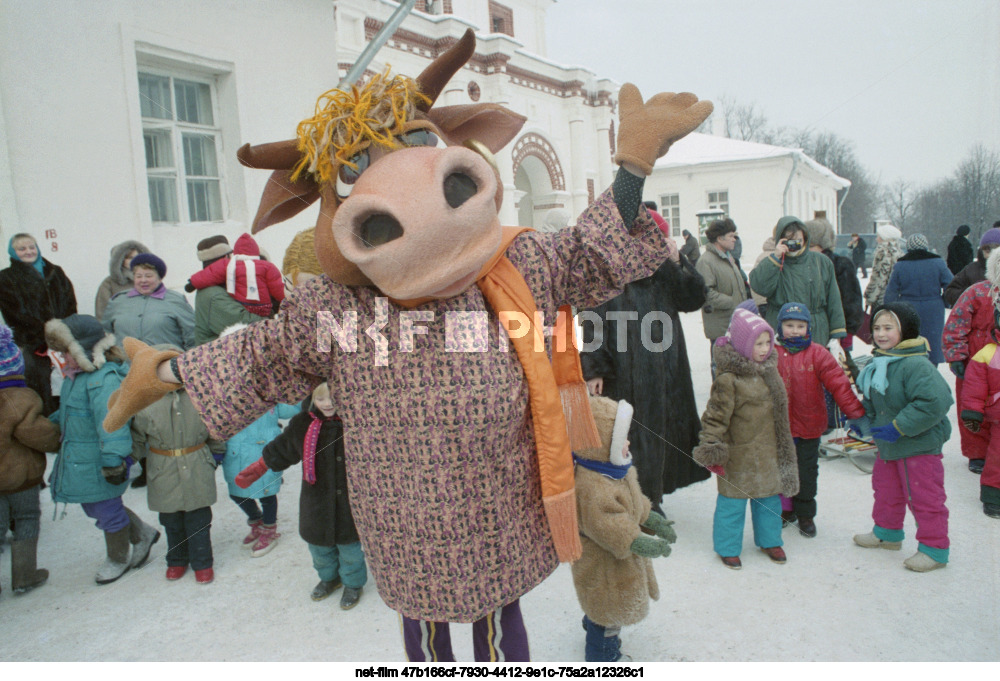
<point>271,156</point>
<point>439,72</point>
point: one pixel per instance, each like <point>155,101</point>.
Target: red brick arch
<point>535,145</point>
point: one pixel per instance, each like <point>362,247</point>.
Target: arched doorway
<point>538,174</point>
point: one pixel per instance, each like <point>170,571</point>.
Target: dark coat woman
<point>918,278</point>
<point>960,252</point>
<point>658,383</point>
<point>33,291</point>
<point>974,271</point>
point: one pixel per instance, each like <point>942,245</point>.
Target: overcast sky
<point>913,83</point>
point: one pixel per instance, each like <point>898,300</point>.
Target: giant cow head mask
<point>409,193</point>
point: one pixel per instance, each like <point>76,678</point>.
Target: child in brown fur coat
<point>614,577</point>
<point>746,440</point>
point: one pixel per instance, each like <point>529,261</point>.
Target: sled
<point>859,451</point>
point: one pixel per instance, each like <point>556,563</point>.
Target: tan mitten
<point>141,386</point>
<point>647,130</point>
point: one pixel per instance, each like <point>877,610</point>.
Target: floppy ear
<point>493,125</point>
<point>283,198</point>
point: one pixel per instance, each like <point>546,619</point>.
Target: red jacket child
<point>806,372</point>
<point>253,282</point>
<point>980,413</point>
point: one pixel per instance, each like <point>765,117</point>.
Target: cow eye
<point>420,138</point>
<point>347,176</point>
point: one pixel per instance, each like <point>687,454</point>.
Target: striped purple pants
<point>498,637</point>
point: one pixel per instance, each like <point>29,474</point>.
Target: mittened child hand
<point>859,427</point>
<point>718,470</point>
<point>189,287</point>
<point>251,473</point>
<point>957,368</point>
<point>661,526</point>
<point>650,547</point>
<point>974,426</point>
<point>115,475</point>
<point>888,433</point>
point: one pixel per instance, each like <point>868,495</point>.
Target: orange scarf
<point>508,294</point>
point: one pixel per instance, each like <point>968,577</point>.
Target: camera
<point>794,244</point>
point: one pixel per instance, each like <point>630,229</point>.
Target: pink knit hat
<point>744,328</point>
<point>660,222</point>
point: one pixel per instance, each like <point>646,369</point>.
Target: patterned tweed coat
<point>441,461</point>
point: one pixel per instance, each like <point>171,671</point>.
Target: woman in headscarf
<point>120,277</point>
<point>33,291</point>
<point>887,252</point>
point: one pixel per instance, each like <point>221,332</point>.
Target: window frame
<point>178,130</point>
<point>670,209</point>
<point>718,204</point>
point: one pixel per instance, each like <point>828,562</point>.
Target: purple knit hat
<point>744,328</point>
<point>991,237</point>
<point>11,359</point>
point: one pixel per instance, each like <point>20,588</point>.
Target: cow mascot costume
<point>429,325</point>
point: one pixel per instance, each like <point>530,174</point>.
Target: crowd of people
<point>773,332</point>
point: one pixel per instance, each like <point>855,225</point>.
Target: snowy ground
<point>832,601</point>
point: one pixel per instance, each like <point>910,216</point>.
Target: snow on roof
<point>698,149</point>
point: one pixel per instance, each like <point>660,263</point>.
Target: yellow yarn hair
<point>345,122</point>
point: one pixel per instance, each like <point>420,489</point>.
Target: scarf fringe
<point>579,417</point>
<point>560,510</point>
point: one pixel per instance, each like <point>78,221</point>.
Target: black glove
<point>189,287</point>
<point>115,475</point>
<point>958,368</point>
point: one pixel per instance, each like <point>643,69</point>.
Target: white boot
<point>870,541</point>
<point>921,562</point>
<point>117,563</point>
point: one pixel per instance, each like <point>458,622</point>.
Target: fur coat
<point>613,584</point>
<point>745,429</point>
<point>657,382</point>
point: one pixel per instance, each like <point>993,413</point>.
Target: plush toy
<point>614,577</point>
<point>429,326</point>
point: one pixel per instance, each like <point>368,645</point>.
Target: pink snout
<point>421,221</point>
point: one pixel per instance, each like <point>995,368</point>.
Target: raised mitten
<point>141,386</point>
<point>649,547</point>
<point>647,130</point>
<point>660,526</point>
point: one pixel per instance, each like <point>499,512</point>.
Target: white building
<point>755,184</point>
<point>120,119</point>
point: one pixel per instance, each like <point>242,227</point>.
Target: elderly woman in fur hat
<point>92,466</point>
<point>614,577</point>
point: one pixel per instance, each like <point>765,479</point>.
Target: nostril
<point>379,229</point>
<point>459,188</point>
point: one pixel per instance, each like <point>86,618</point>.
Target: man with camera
<point>793,273</point>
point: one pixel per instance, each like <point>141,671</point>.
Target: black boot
<point>140,480</point>
<point>807,528</point>
<point>24,571</point>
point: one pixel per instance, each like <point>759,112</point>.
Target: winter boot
<point>140,480</point>
<point>265,542</point>
<point>600,646</point>
<point>251,539</point>
<point>24,571</point>
<point>117,563</point>
<point>142,538</point>
<point>324,589</point>
<point>807,528</point>
<point>350,597</point>
<point>787,518</point>
<point>921,562</point>
<point>992,510</point>
<point>870,541</point>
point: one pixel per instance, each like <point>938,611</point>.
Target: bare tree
<point>899,203</point>
<point>742,121</point>
<point>977,180</point>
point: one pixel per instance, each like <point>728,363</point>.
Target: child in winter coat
<point>257,284</point>
<point>969,329</point>
<point>806,369</point>
<point>614,577</point>
<point>907,401</point>
<point>746,440</point>
<point>980,413</point>
<point>92,466</point>
<point>315,437</point>
<point>180,468</point>
<point>25,435</point>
